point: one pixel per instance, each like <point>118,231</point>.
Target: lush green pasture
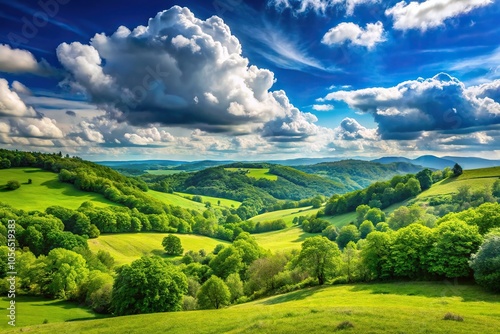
<point>45,190</point>
<point>35,310</point>
<point>413,307</point>
<point>287,215</point>
<point>215,200</point>
<point>475,178</point>
<point>257,173</point>
<point>128,247</point>
<point>290,238</point>
<point>177,200</point>
<point>163,171</point>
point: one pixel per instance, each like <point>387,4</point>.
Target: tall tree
<point>320,257</point>
<point>172,245</point>
<point>457,170</point>
<point>486,262</point>
<point>148,285</point>
<point>214,293</point>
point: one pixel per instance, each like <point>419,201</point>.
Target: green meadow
<point>127,247</point>
<point>289,238</point>
<point>44,191</point>
<point>214,200</point>
<point>287,215</point>
<point>257,173</point>
<point>36,310</point>
<point>163,171</point>
<point>179,199</point>
<point>393,308</point>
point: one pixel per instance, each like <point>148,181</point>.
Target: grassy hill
<point>36,310</point>
<point>179,199</point>
<point>45,190</point>
<point>289,238</point>
<point>408,307</point>
<point>475,178</point>
<point>214,200</point>
<point>128,247</point>
<point>287,215</point>
<point>257,173</point>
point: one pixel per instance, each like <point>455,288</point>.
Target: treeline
<point>383,194</point>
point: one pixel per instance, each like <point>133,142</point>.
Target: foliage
<point>486,263</point>
<point>320,257</point>
<point>13,185</point>
<point>346,234</point>
<point>148,285</point>
<point>172,245</point>
<point>457,170</point>
<point>214,293</point>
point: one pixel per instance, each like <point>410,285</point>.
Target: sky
<point>250,80</point>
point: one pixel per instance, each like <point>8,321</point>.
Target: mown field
<point>163,171</point>
<point>127,247</point>
<point>45,190</point>
<point>411,307</point>
<point>475,178</point>
<point>287,215</point>
<point>257,173</point>
<point>290,238</point>
<point>37,310</point>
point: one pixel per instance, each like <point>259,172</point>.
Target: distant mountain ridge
<point>431,161</point>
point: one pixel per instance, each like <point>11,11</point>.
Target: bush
<point>453,317</point>
<point>344,325</point>
<point>13,185</point>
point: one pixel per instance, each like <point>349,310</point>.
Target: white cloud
<point>431,13</point>
<point>354,34</point>
<point>21,61</point>
<point>323,107</point>
<point>439,103</point>
<point>318,6</point>
<point>11,104</point>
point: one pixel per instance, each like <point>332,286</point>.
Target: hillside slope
<point>407,307</point>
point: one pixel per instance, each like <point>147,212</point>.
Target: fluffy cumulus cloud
<point>21,61</point>
<point>318,6</point>
<point>323,107</point>
<point>176,71</point>
<point>431,13</point>
<point>10,102</point>
<point>441,103</point>
<point>348,32</point>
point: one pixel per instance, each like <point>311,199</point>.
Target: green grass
<point>45,191</point>
<point>128,247</point>
<point>34,310</point>
<point>176,200</point>
<point>215,200</point>
<point>257,173</point>
<point>287,215</point>
<point>289,238</point>
<point>475,178</point>
<point>413,307</point>
<point>163,171</point>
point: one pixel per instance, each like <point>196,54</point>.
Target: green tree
<point>320,257</point>
<point>454,243</point>
<point>361,211</point>
<point>4,163</point>
<point>331,232</point>
<point>486,263</point>
<point>13,185</point>
<point>457,170</point>
<point>214,294</point>
<point>347,233</point>
<point>235,286</point>
<point>413,187</point>
<point>350,261</point>
<point>376,254</point>
<point>375,215</point>
<point>409,251</point>
<point>148,285</point>
<point>366,228</point>
<point>172,245</point>
<point>496,188</point>
<point>227,261</point>
<point>60,273</point>
<point>425,178</point>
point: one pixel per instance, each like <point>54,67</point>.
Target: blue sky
<point>234,79</point>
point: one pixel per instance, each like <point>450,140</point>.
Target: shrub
<point>344,325</point>
<point>453,317</point>
<point>13,185</point>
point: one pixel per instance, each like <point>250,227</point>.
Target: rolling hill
<point>44,191</point>
<point>407,307</point>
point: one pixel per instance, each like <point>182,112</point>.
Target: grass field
<point>35,310</point>
<point>45,190</point>
<point>215,200</point>
<point>287,215</point>
<point>412,307</point>
<point>128,247</point>
<point>475,178</point>
<point>163,171</point>
<point>176,200</point>
<point>289,238</point>
<point>257,173</point>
